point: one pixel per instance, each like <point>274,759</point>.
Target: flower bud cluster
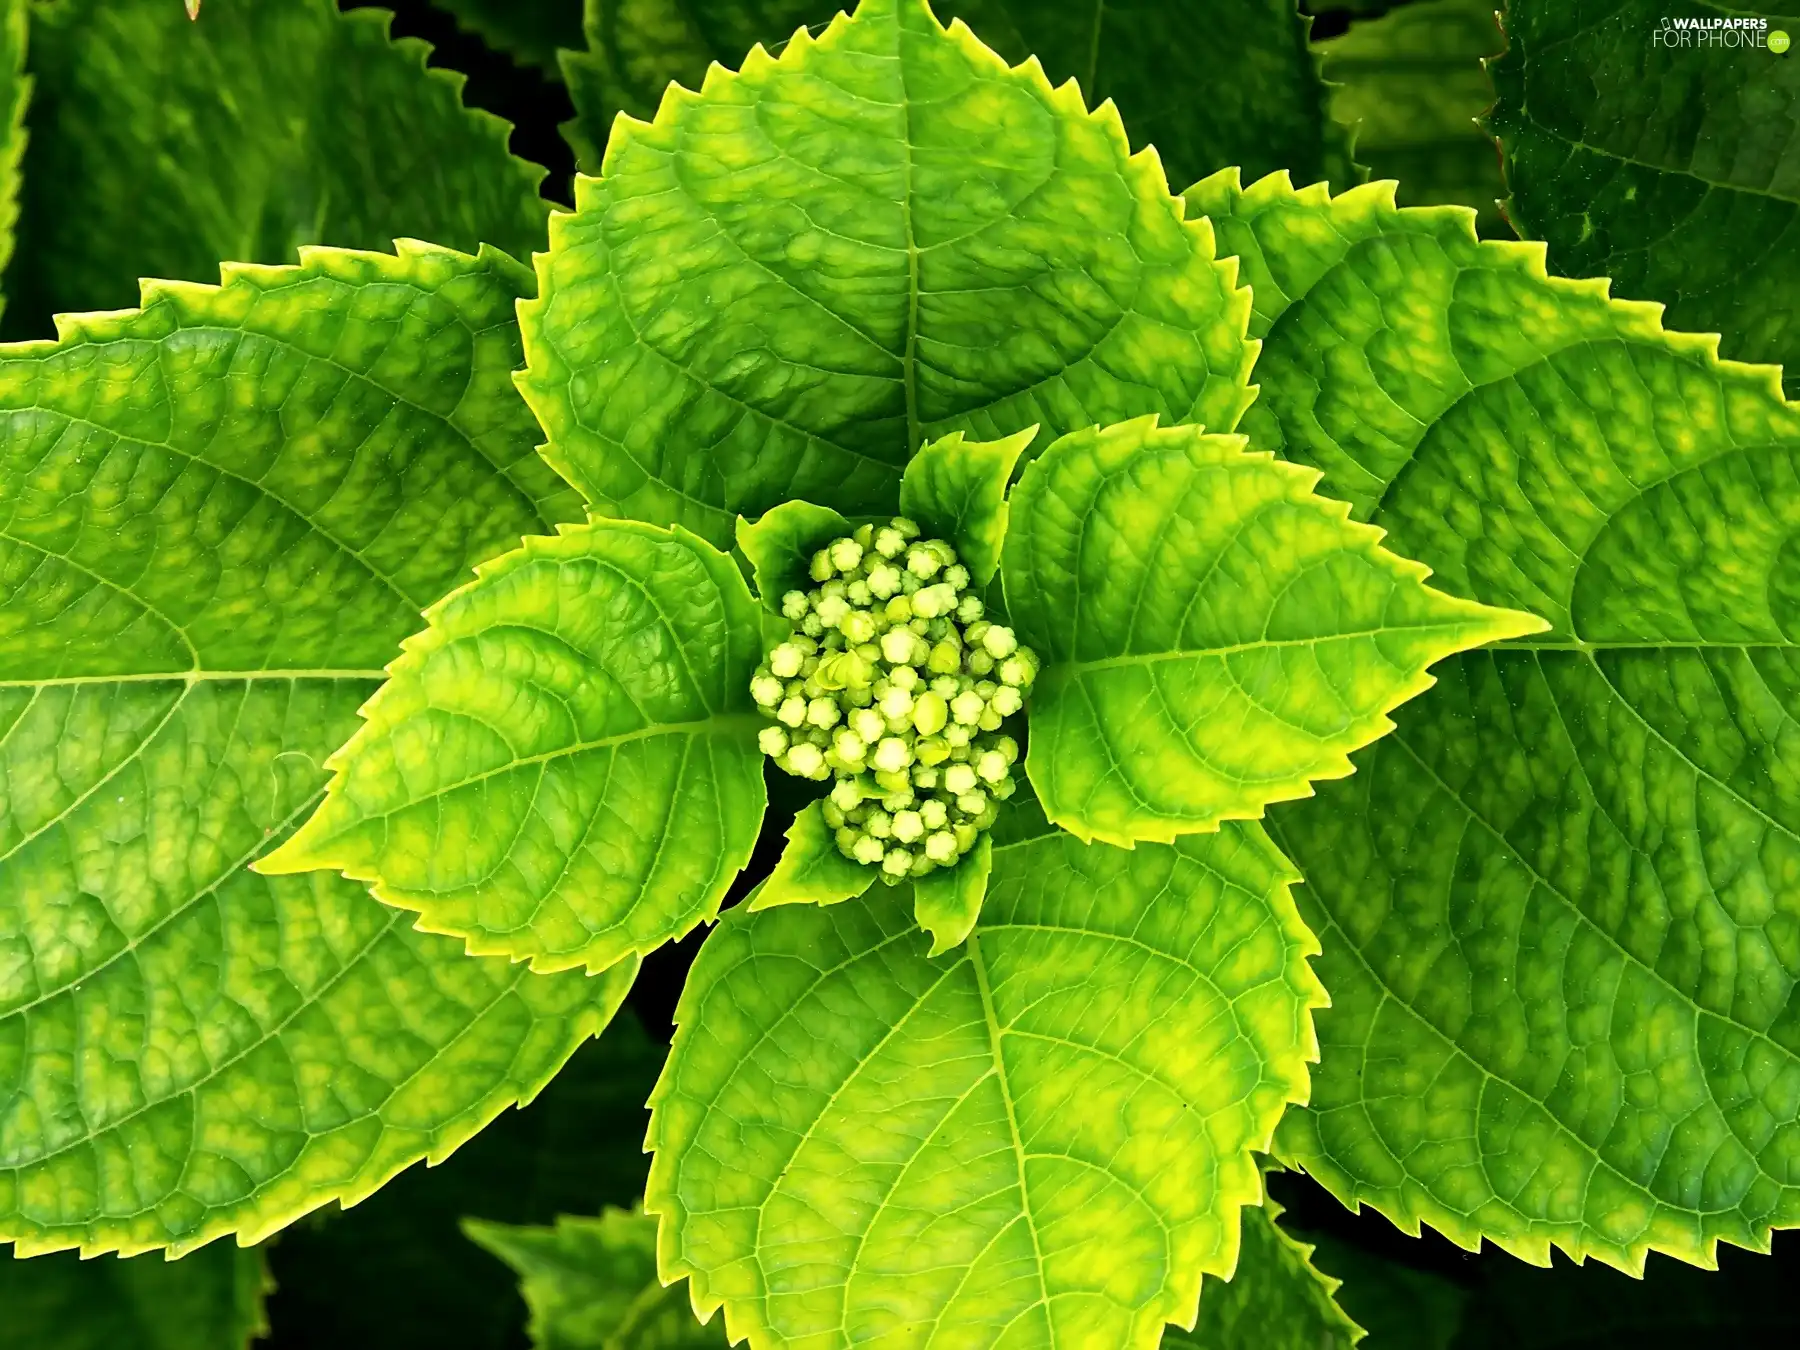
<point>895,686</point>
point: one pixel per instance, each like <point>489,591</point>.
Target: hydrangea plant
<point>1093,564</point>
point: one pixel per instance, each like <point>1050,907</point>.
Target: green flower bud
<point>794,605</point>
<point>823,712</point>
<point>1005,788</point>
<point>908,826</point>
<point>930,713</point>
<point>956,736</point>
<point>896,703</point>
<point>942,847</point>
<point>890,543</point>
<point>858,627</point>
<point>956,577</point>
<point>904,677</point>
<point>966,834</point>
<point>946,659</point>
<point>924,777</point>
<point>969,609</point>
<point>821,565</point>
<point>845,794</point>
<point>792,711</point>
<point>922,562</point>
<point>1006,701</point>
<point>979,662</point>
<point>899,801</point>
<point>892,754</point>
<point>990,719</point>
<point>967,707</point>
<point>773,742</point>
<point>851,749</point>
<point>884,581</point>
<point>958,779</point>
<point>934,814</point>
<point>785,661</point>
<point>863,534</point>
<point>1018,670</point>
<point>990,766</point>
<point>879,824</point>
<point>999,642</point>
<point>833,813</point>
<point>847,838</point>
<point>857,593</point>
<point>832,609</point>
<point>909,529</point>
<point>867,850</point>
<point>767,691</point>
<point>932,751</point>
<point>805,761</point>
<point>886,782</point>
<point>897,862</point>
<point>812,626</point>
<point>868,724</point>
<point>846,554</point>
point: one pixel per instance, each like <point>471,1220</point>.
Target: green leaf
<point>211,1300</point>
<point>1214,635</point>
<point>221,514</point>
<point>956,490</point>
<point>1671,169</point>
<point>1041,1138</point>
<point>811,869</point>
<point>948,902</point>
<point>1275,1300</point>
<point>15,93</point>
<point>396,1271</point>
<point>780,546</point>
<point>159,146</point>
<point>1412,82</point>
<point>563,766</point>
<point>1557,903</point>
<point>1141,54</point>
<point>592,1285</point>
<point>788,283</point>
<point>531,31</point>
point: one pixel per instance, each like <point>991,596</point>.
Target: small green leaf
<point>563,765</point>
<point>1277,1299</point>
<point>218,517</point>
<point>1403,1308</point>
<point>396,1272</point>
<point>790,281</point>
<point>956,490</point>
<point>781,543</point>
<point>591,1285</point>
<point>1558,903</point>
<point>1670,167</point>
<point>811,869</point>
<point>209,1300</point>
<point>1412,83</point>
<point>1041,1138</point>
<point>161,146</point>
<point>947,902</point>
<point>1214,635</point>
<point>15,94</point>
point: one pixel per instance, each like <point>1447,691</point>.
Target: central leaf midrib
<point>909,353</point>
<point>199,677</point>
<point>1130,659</point>
<point>985,993</point>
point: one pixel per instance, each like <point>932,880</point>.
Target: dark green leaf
<point>530,30</point>
<point>1673,168</point>
<point>160,146</point>
<point>211,1299</point>
<point>812,870</point>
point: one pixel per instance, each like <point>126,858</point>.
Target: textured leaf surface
<point>1674,170</point>
<point>592,1285</point>
<point>1142,54</point>
<point>790,282</point>
<point>781,543</point>
<point>533,31</point>
<point>211,1300</point>
<point>948,902</point>
<point>15,92</point>
<point>563,766</point>
<point>220,516</point>
<point>1558,904</point>
<point>1041,1139</point>
<point>1276,1300</point>
<point>812,870</point>
<point>1412,83</point>
<point>159,146</point>
<point>1214,635</point>
<point>955,489</point>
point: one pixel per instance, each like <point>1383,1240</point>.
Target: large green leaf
<point>220,515</point>
<point>1275,1300</point>
<point>159,146</point>
<point>1560,902</point>
<point>563,766</point>
<point>1673,168</point>
<point>211,1300</point>
<point>1412,82</point>
<point>1042,1138</point>
<point>396,1272</point>
<point>529,30</point>
<point>592,1285</point>
<point>1269,113</point>
<point>789,282</point>
<point>15,92</point>
<point>1214,635</point>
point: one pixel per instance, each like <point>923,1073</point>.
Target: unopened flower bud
<point>772,741</point>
